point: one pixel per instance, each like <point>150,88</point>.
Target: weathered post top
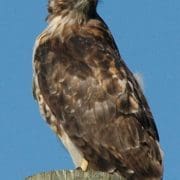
<point>75,175</point>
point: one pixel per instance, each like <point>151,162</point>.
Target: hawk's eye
<point>50,9</point>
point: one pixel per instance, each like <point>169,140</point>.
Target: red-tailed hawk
<point>90,98</point>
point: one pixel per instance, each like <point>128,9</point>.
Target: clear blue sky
<point>147,33</point>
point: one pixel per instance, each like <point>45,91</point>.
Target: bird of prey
<point>90,98</point>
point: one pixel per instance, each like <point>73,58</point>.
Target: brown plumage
<point>89,96</point>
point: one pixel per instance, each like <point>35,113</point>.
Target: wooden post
<point>75,175</point>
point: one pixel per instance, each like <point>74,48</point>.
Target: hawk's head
<point>64,7</point>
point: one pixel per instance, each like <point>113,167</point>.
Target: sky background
<point>147,33</point>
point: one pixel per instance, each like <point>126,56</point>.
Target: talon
<point>78,169</point>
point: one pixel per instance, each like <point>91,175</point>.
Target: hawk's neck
<point>67,23</point>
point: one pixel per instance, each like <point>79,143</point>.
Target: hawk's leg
<point>84,164</point>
